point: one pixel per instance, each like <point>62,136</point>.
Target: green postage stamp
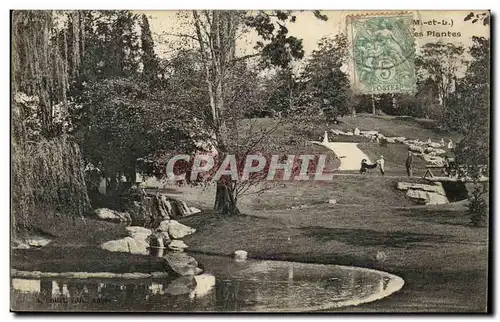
<point>383,53</point>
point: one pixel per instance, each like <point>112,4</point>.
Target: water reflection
<point>27,286</point>
<point>239,286</point>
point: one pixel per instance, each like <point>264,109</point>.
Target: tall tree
<point>286,92</point>
<point>119,120</point>
<point>215,35</point>
<point>440,62</point>
<point>326,82</point>
<point>469,112</point>
<point>47,169</point>
<point>112,97</point>
<point>39,68</point>
<point>111,44</point>
<point>149,59</point>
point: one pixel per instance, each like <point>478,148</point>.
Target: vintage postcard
<point>250,161</point>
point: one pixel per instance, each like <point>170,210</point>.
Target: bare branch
<point>237,59</point>
<point>182,36</point>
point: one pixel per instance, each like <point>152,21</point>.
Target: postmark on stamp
<point>383,53</point>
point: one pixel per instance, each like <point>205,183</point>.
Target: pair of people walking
<point>379,163</point>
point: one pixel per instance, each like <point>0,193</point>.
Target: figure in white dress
<point>325,138</point>
<point>450,144</point>
<point>381,164</point>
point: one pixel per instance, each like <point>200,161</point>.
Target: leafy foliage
<point>469,113</point>
<point>327,84</point>
<point>112,46</point>
<point>118,120</point>
<point>120,112</point>
<point>285,91</point>
<point>440,62</point>
<point>484,17</point>
<point>279,49</point>
<point>478,207</point>
<point>149,59</point>
<point>47,177</point>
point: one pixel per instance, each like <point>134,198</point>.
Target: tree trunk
<point>225,200</point>
<point>216,35</point>
<point>373,105</point>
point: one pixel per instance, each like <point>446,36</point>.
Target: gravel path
<point>349,154</point>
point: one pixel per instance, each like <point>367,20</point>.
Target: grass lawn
<point>409,127</point>
<point>442,259</point>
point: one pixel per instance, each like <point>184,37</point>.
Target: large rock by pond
<point>159,239</point>
<point>151,208</point>
<point>136,243</point>
<point>126,245</point>
<point>112,215</point>
<point>428,194</point>
<point>141,213</point>
<point>175,229</point>
<point>177,245</point>
<point>163,226</point>
<point>435,199</point>
<point>182,263</point>
<point>138,232</point>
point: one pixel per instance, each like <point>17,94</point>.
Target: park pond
<point>227,285</point>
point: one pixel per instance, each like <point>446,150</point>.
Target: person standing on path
<point>409,164</point>
<point>381,164</point>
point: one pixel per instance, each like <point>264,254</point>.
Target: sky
<point>310,29</point>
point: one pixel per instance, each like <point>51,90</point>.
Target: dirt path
<point>349,154</point>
